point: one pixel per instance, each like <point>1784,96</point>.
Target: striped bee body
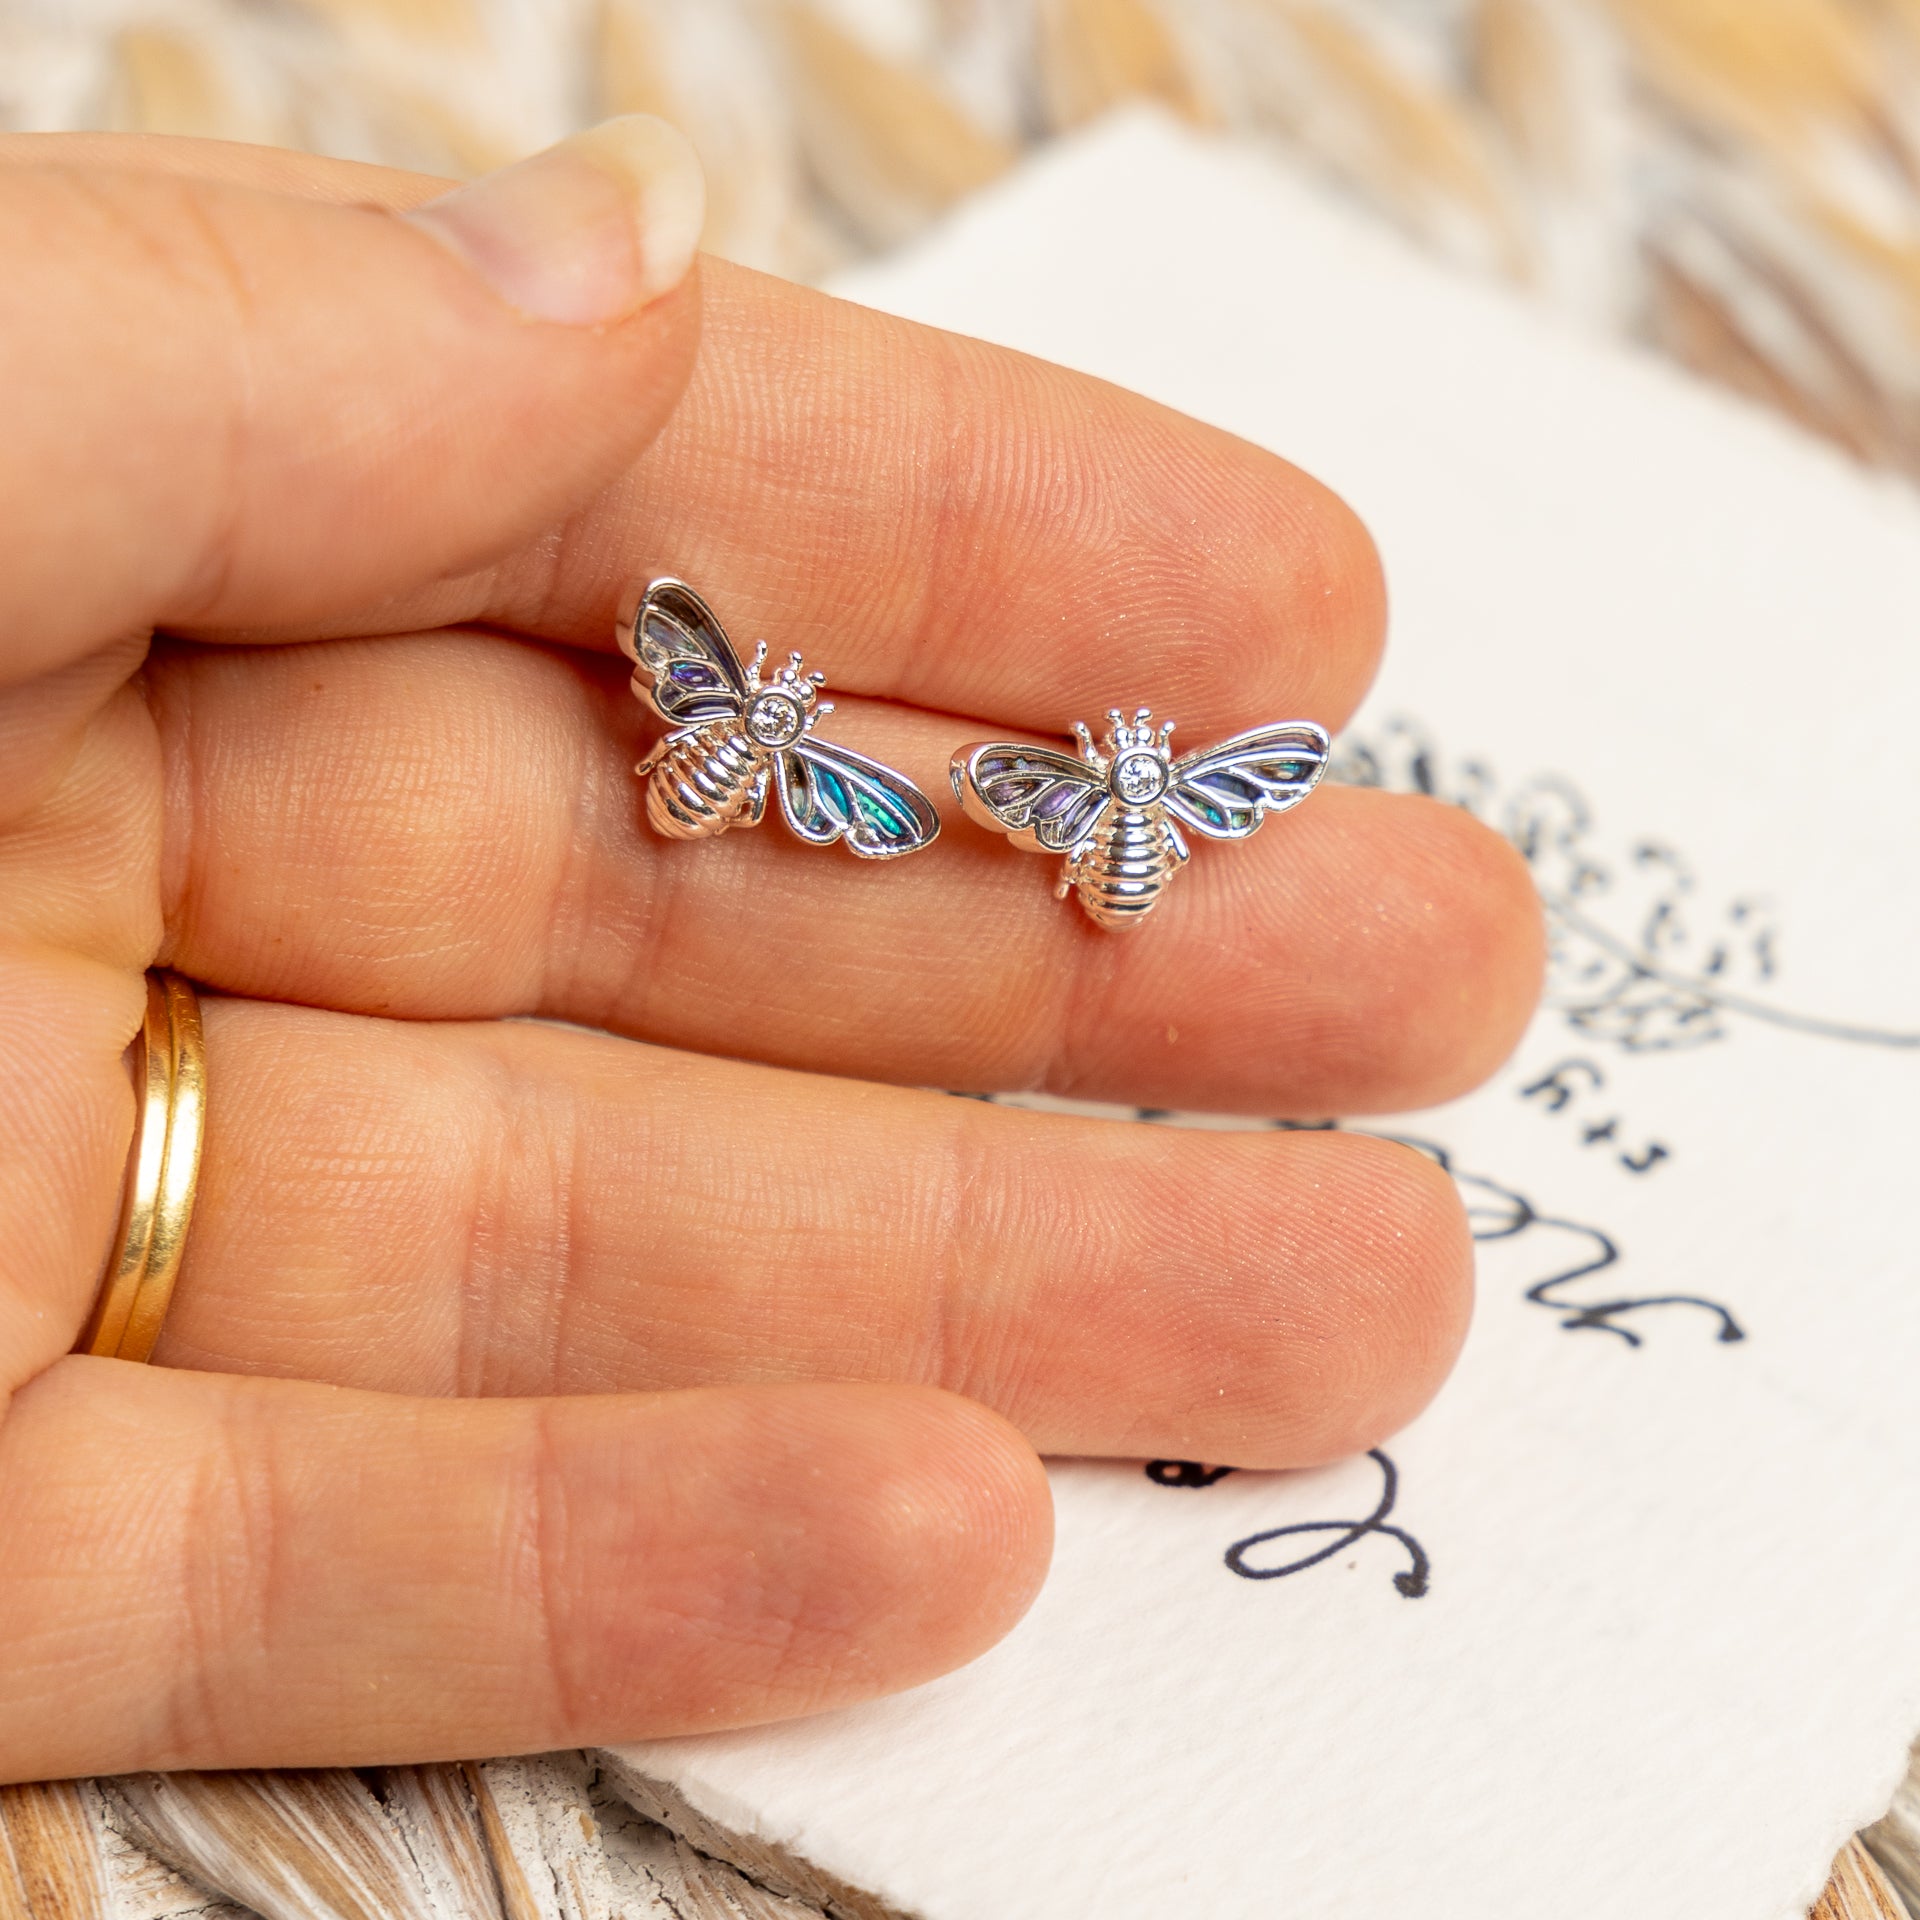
<point>701,785</point>
<point>1122,870</point>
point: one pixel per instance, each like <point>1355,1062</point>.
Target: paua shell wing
<point>696,675</point>
<point>828,791</point>
<point>1226,791</point>
<point>1048,802</point>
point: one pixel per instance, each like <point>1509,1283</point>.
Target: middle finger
<point>447,826</point>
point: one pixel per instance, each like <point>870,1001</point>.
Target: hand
<point>528,1387</point>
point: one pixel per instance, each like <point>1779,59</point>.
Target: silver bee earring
<point>736,737</point>
<point>1116,815</point>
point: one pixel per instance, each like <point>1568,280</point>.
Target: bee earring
<point>736,737</point>
<point>1116,814</point>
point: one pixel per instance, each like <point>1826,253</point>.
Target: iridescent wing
<point>1226,791</point>
<point>1045,801</point>
<point>695,674</point>
<point>828,791</point>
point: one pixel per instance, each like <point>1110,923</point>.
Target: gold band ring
<point>162,1173</point>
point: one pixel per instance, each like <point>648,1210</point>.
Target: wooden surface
<point>549,1838</point>
<point>1895,1838</point>
<point>537,1839</point>
<point>1858,1890</point>
<point>49,1864</point>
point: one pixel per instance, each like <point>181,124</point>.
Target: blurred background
<point>1733,182</point>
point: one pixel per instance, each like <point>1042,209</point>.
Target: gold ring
<point>162,1172</point>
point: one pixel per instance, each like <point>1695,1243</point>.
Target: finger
<point>45,722</point>
<point>939,521</point>
<point>439,830</point>
<point>222,1572</point>
<point>235,163</point>
<point>315,406</point>
<point>66,1117</point>
<point>934,520</point>
<point>512,1209</point>
<point>80,856</point>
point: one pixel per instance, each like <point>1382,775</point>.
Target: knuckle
<point>227,1606</point>
<point>524,1207</point>
<point>550,1605</point>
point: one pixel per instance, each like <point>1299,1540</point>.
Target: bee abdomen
<point>701,785</point>
<point>1120,876</point>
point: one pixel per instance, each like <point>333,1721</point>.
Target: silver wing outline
<point>828,792</point>
<point>676,638</point>
<point>1044,800</point>
<point>1226,791</point>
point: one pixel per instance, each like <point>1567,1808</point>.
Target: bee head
<point>794,681</point>
<point>785,704</point>
<point>1140,737</point>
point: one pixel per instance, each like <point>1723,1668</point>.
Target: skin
<point>528,1387</point>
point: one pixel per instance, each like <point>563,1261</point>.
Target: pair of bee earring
<point>1115,815</point>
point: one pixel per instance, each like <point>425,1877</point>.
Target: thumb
<point>230,408</point>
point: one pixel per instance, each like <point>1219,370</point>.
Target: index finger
<point>942,522</point>
<point>928,518</point>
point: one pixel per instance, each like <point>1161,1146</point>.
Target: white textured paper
<point>1650,1643</point>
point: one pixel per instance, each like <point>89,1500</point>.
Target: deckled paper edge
<point>723,1828</point>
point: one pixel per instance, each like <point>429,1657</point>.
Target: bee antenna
<point>1114,714</point>
<point>1166,733</point>
<point>1141,715</point>
<point>818,679</point>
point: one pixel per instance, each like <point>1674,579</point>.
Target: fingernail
<point>588,231</point>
